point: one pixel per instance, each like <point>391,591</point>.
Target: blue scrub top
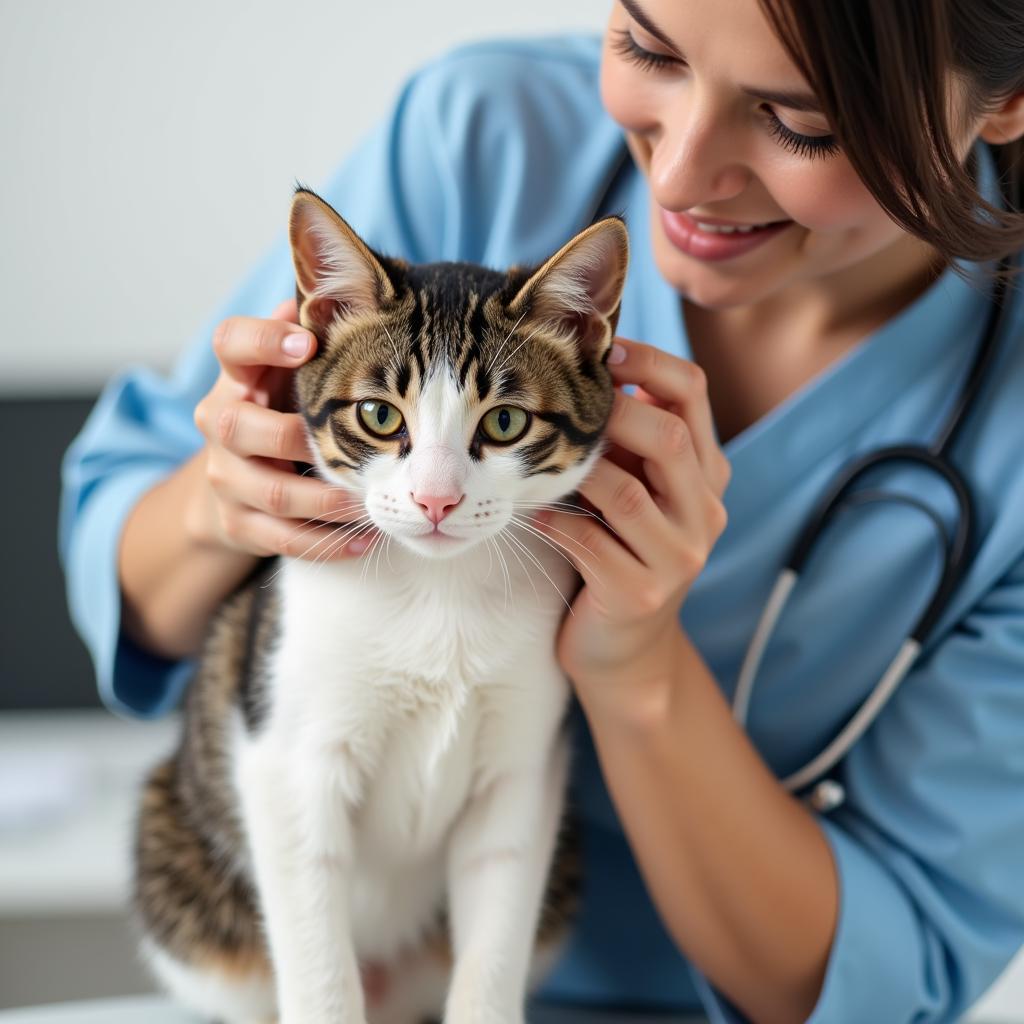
<point>498,153</point>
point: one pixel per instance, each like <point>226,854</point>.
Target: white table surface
<point>117,1011</point>
<point>69,782</point>
<point>87,805</point>
<point>157,1011</point>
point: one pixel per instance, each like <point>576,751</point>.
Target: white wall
<point>149,151</point>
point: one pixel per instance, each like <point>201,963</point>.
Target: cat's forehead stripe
<point>456,316</point>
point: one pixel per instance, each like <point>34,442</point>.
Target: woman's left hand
<point>659,488</point>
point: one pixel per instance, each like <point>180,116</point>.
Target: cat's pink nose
<point>437,506</point>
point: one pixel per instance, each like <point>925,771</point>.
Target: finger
<point>249,429</point>
<point>285,494</point>
<point>606,566</point>
<point>665,443</point>
<point>627,507</point>
<point>287,310</point>
<point>269,535</point>
<point>245,346</point>
<point>682,385</point>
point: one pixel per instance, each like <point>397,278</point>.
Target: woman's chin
<point>708,287</point>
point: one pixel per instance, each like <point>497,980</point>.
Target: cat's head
<point>454,400</point>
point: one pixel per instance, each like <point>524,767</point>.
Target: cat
<point>370,785</point>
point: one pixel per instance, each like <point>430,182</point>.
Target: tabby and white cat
<point>374,756</point>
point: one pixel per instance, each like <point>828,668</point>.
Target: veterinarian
<point>812,191</point>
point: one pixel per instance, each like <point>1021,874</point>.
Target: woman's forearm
<point>740,871</point>
<point>172,577</point>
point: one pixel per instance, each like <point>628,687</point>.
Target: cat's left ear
<point>336,272</point>
<point>578,291</point>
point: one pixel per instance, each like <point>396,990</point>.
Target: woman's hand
<point>659,490</point>
<point>253,500</point>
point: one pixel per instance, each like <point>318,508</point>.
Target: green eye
<point>504,424</point>
<point>380,418</point>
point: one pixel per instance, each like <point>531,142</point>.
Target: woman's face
<point>699,88</point>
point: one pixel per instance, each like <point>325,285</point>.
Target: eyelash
<point>807,146</point>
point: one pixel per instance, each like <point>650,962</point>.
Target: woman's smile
<point>712,241</point>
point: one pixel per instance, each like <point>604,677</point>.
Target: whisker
<point>398,358</point>
<point>367,556</point>
<point>526,572</point>
<point>526,525</point>
<point>513,352</point>
<point>490,559</point>
<point>322,559</point>
<point>546,504</point>
<point>353,524</point>
<point>380,551</point>
<point>505,342</point>
<point>577,512</point>
<point>326,522</point>
<point>540,566</point>
<point>504,568</point>
<point>348,532</point>
<point>328,539</point>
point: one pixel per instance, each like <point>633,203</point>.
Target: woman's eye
<point>809,146</point>
<point>504,424</point>
<point>625,45</point>
<point>380,418</point>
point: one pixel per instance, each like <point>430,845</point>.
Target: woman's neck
<point>756,356</point>
<point>849,304</point>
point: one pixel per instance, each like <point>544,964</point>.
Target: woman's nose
<point>696,159</point>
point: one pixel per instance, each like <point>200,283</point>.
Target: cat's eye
<point>380,418</point>
<point>504,424</point>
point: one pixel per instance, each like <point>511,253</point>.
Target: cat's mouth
<point>438,534</point>
<point>437,543</point>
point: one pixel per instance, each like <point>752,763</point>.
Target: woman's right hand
<point>252,498</point>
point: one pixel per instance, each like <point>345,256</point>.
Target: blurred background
<point>150,151</point>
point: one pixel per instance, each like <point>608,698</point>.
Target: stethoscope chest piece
<point>826,796</point>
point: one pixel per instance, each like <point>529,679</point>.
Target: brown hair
<point>881,69</point>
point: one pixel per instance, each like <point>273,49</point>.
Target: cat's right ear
<point>336,273</point>
<point>578,291</point>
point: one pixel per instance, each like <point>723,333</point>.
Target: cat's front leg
<point>498,861</point>
<point>300,841</point>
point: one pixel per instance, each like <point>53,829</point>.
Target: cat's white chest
<point>426,625</point>
<point>423,773</point>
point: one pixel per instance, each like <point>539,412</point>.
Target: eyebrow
<point>791,100</point>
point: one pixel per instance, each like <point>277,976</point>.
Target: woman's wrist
<point>637,695</point>
<point>173,568</point>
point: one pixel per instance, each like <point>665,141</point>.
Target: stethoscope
<point>825,794</point>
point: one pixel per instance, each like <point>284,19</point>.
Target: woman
<point>802,182</point>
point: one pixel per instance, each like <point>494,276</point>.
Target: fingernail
<point>296,345</point>
<point>543,517</point>
<point>357,547</point>
<point>617,354</point>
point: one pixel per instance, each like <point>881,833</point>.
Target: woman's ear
<point>1006,123</point>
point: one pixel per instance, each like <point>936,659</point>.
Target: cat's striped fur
<point>373,763</point>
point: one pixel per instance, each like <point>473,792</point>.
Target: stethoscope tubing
<point>827,794</point>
